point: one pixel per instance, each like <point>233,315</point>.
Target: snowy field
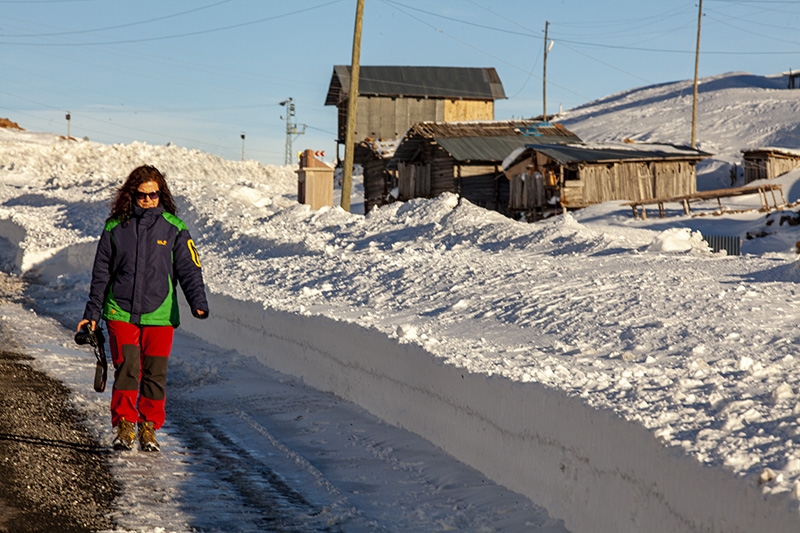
<point>611,369</point>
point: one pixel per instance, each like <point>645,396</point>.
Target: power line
<point>745,30</point>
<point>465,43</point>
<point>129,24</point>
<point>47,1</point>
<point>181,35</point>
<point>676,51</point>
<point>484,26</point>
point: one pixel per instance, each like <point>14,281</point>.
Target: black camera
<point>87,336</point>
<point>96,340</point>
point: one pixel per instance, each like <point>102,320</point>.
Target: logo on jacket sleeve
<point>193,252</point>
<point>162,242</point>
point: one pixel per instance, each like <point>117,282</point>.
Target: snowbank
<point>587,466</point>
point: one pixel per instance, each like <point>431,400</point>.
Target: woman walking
<point>144,253</point>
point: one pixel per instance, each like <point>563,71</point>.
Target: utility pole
<point>544,73</point>
<point>352,104</point>
<point>242,146</point>
<point>291,129</point>
<point>696,67</point>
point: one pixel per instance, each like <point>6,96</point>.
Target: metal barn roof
<point>608,153</point>
<point>421,82</point>
<point>479,141</point>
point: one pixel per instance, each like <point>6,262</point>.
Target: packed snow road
<point>247,449</point>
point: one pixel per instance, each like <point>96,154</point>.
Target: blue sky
<point>201,73</point>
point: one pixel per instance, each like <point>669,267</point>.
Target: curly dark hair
<point>122,207</point>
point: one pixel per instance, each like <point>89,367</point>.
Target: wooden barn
<point>545,177</point>
<point>466,158</point>
<point>392,98</point>
<point>768,163</point>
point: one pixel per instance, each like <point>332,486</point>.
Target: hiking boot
<point>126,435</point>
<point>147,437</point>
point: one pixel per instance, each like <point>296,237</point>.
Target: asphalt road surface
<point>54,476</point>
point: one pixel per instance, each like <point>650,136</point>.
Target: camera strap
<point>98,341</point>
<point>101,370</point>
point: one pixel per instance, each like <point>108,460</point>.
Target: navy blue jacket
<point>137,267</point>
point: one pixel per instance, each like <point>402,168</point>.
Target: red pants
<point>140,355</point>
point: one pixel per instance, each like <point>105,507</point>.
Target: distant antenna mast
<point>291,129</point>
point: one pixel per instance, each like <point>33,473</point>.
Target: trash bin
<point>314,181</point>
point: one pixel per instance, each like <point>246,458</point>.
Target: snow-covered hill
<point>610,368</point>
<point>735,111</point>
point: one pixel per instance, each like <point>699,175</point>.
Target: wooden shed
<point>543,178</point>
<point>466,158</point>
<point>768,163</point>
<point>393,98</point>
<point>379,182</point>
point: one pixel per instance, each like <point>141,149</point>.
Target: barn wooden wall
<point>602,182</point>
<point>674,179</point>
<point>442,169</point>
<point>527,192</point>
<point>377,181</point>
<point>461,110</point>
<point>389,118</point>
<point>478,184</point>
<point>414,180</point>
<point>636,181</point>
<point>766,166</point>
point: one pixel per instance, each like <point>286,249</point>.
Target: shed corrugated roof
<point>479,141</point>
<point>480,149</point>
<point>771,150</point>
<point>422,82</point>
<point>607,153</point>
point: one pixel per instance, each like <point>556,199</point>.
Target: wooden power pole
<point>544,74</point>
<point>349,142</point>
<point>696,67</point>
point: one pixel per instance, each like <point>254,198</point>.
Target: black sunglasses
<point>152,195</point>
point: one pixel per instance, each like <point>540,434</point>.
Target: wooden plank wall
<point>477,184</point>
<point>502,194</point>
<point>442,170</point>
<point>572,194</point>
<point>755,169</point>
<point>413,180</point>
<point>763,167</point>
<point>516,191</point>
<point>781,165</point>
<point>376,183</point>
<point>674,179</point>
<point>636,181</point>
<point>601,182</point>
<point>461,110</point>
<point>527,192</point>
<point>466,171</point>
<point>389,118</point>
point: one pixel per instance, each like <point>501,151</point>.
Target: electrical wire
<point>469,45</point>
<point>181,35</point>
<point>129,24</point>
